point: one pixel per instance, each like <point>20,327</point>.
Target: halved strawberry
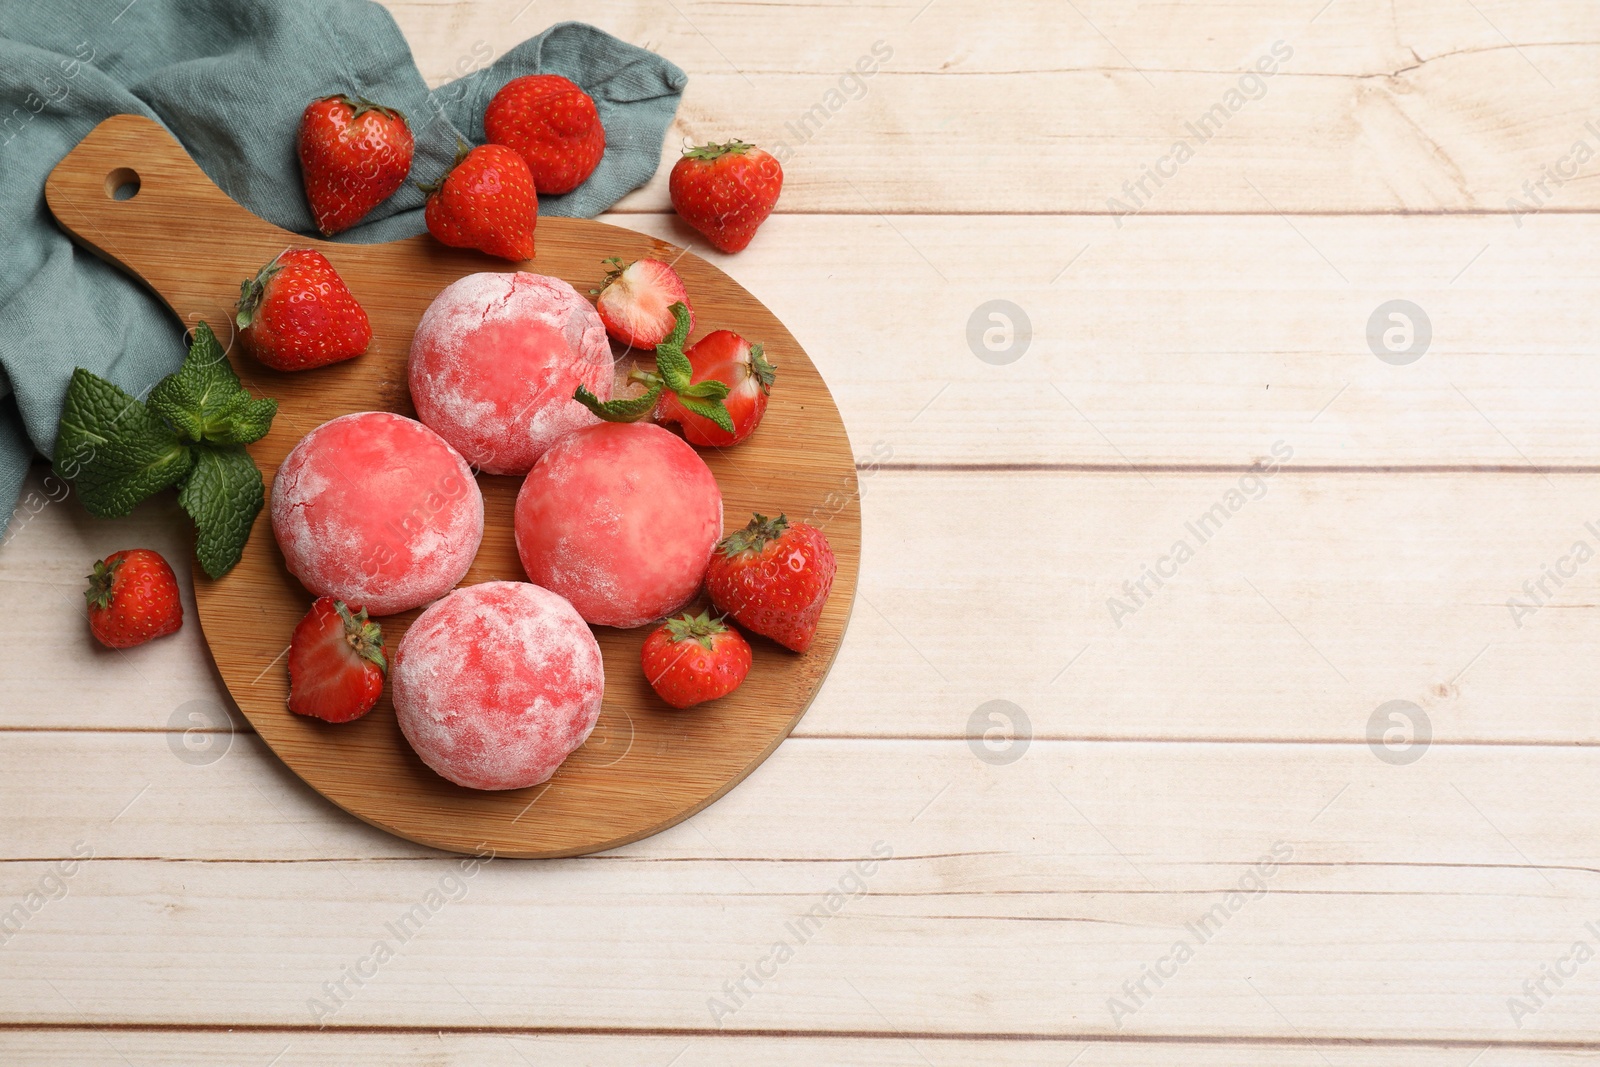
<point>635,302</point>
<point>336,663</point>
<point>717,391</point>
<point>723,356</point>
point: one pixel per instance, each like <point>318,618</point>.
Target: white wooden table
<point>1417,874</point>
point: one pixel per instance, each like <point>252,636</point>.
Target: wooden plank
<point>1395,902</point>
<point>1447,107</point>
<point>75,1048</point>
<point>1183,341</point>
<point>1315,603</point>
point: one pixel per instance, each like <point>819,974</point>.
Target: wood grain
<point>1391,586</point>
<point>1187,345</point>
<point>1415,105</point>
<point>1017,901</point>
<point>1143,351</point>
<point>645,767</point>
<point>305,1048</point>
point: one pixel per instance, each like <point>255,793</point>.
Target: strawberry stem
<point>463,150</point>
<point>363,635</point>
<point>253,290</point>
<point>708,152</point>
<point>360,105</point>
<point>766,373</point>
<point>99,592</point>
<point>701,628</point>
<point>754,537</point>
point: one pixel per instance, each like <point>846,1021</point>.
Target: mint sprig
<point>119,451</point>
<point>204,400</point>
<point>222,495</point>
<point>113,449</point>
<point>674,374</point>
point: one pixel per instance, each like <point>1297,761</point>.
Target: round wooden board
<point>646,766</point>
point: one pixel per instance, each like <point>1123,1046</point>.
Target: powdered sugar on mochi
<point>496,684</point>
<point>621,519</point>
<point>377,510</point>
<point>495,361</point>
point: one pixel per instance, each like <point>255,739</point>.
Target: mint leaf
<point>244,422</point>
<point>714,410</point>
<point>113,449</point>
<point>711,389</point>
<point>630,410</point>
<point>223,496</point>
<point>670,360</point>
<point>204,400</point>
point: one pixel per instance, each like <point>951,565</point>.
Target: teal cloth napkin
<point>229,78</point>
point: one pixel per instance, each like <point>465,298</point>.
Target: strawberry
<point>635,302</point>
<point>133,598</point>
<point>336,663</point>
<point>297,313</point>
<point>673,379</point>
<point>487,202</point>
<point>552,124</point>
<point>773,576</point>
<point>725,357</point>
<point>353,155</point>
<point>725,191</point>
<point>694,658</point>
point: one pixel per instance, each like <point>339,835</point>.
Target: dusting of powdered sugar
<point>621,519</point>
<point>377,510</point>
<point>496,684</point>
<point>494,363</point>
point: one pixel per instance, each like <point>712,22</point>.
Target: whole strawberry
<point>694,658</point>
<point>725,191</point>
<point>487,202</point>
<point>773,577</point>
<point>133,598</point>
<point>297,313</point>
<point>353,155</point>
<point>336,663</point>
<point>635,302</point>
<point>553,125</point>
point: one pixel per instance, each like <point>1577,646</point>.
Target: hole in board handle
<point>122,184</point>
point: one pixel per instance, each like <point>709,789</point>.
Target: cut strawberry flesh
<point>637,304</point>
<point>328,677</point>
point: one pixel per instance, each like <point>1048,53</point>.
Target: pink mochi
<point>621,519</point>
<point>495,361</point>
<point>377,510</point>
<point>497,684</point>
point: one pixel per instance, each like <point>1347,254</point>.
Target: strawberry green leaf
<point>631,409</point>
<point>714,410</point>
<point>701,628</point>
<point>204,401</point>
<point>765,372</point>
<point>223,495</point>
<point>113,448</point>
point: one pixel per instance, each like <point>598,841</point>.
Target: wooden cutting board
<point>646,766</point>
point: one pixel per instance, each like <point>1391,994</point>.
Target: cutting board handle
<point>131,194</point>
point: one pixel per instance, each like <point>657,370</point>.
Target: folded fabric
<point>229,78</point>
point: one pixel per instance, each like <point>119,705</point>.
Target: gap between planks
<point>913,467</point>
<point>1087,739</point>
<point>1079,1037</point>
<point>1149,212</point>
